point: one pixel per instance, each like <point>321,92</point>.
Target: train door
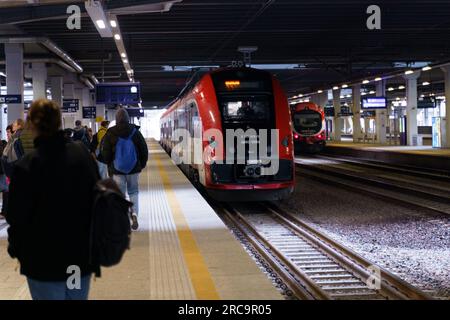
<point>191,113</point>
<point>328,128</point>
<point>403,129</point>
<point>195,132</point>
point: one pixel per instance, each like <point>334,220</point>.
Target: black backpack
<point>110,227</point>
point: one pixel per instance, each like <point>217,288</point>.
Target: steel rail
<point>391,285</point>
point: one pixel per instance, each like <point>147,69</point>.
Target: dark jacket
<point>3,144</point>
<point>80,134</point>
<point>123,130</point>
<point>50,208</point>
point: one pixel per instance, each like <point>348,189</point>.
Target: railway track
<point>430,191</point>
<point>310,263</point>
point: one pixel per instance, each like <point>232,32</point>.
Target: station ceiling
<point>316,43</point>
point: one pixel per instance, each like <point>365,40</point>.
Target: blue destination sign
<point>89,112</point>
<point>345,112</point>
<point>71,105</point>
<point>374,103</point>
<point>329,111</point>
<point>118,93</point>
<point>11,98</point>
<point>426,102</point>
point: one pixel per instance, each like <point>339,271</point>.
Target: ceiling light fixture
<point>401,87</point>
<point>98,16</point>
<point>409,72</point>
<point>101,24</point>
<point>344,86</point>
<point>113,23</point>
<point>427,68</point>
<point>425,83</point>
<point>335,88</point>
<point>378,79</point>
<point>365,81</point>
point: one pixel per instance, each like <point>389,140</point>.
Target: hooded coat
<point>50,209</point>
<point>123,129</point>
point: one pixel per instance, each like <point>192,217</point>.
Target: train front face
<point>257,155</point>
<point>309,133</point>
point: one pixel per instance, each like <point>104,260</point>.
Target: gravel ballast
<point>411,243</point>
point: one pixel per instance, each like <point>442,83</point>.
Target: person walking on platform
<point>3,183</point>
<point>125,152</point>
<point>12,152</point>
<point>49,229</point>
<point>95,148</point>
<point>80,134</point>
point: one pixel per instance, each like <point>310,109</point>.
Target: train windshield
<point>246,109</point>
<point>307,122</point>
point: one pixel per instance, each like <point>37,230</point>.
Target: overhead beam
<point>27,14</point>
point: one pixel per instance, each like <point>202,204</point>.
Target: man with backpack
<point>80,134</point>
<point>125,152</point>
<point>95,148</point>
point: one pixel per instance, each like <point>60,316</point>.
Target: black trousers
<point>5,195</point>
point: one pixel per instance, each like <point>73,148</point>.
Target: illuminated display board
<point>373,103</point>
<point>118,93</point>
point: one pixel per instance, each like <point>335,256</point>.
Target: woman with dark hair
<point>49,232</point>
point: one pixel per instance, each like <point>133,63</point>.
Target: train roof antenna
<point>247,52</point>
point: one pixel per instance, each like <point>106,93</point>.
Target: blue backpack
<point>125,157</point>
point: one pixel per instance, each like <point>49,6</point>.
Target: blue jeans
<point>102,169</point>
<point>130,183</point>
<point>58,290</point>
<point>3,184</point>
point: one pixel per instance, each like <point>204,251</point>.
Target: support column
<point>381,115</point>
<point>411,108</point>
<point>79,96</point>
<point>86,102</point>
<point>356,109</point>
<point>14,80</point>
<point>111,113</point>
<point>56,87</point>
<point>446,142</point>
<point>101,110</point>
<point>69,93</point>
<point>337,120</point>
<point>39,76</point>
<point>323,99</point>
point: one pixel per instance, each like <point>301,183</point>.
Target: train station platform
<point>419,156</point>
<point>182,251</point>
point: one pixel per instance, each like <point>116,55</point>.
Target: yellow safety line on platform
<point>201,278</point>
